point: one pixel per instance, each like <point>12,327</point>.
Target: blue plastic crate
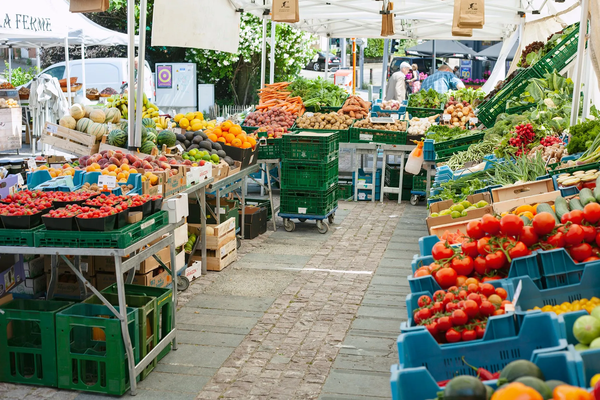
<point>524,266</point>
<point>428,150</point>
<point>367,176</point>
<point>37,178</point>
<point>431,201</point>
<point>134,179</point>
<point>591,358</point>
<point>558,268</point>
<point>419,384</point>
<point>565,192</point>
<point>426,244</point>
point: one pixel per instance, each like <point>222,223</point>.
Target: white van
<point>101,73</point>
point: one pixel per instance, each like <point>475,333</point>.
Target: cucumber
<point>543,207</point>
<point>597,190</point>
<point>586,196</point>
<point>575,204</point>
<point>525,220</point>
<point>561,206</point>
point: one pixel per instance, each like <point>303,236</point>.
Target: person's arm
<point>415,76</point>
<point>401,90</point>
<point>456,84</point>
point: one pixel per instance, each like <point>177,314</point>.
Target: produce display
<point>92,92</point>
<point>460,112</point>
<point>317,93</point>
<point>91,121</point>
<point>24,92</point>
<point>333,121</point>
<point>193,121</point>
<point>534,51</point>
<point>120,102</point>
<point>586,328</point>
<point>576,305</point>
<point>397,126</point>
<point>355,107</point>
<point>198,157</point>
<point>9,103</point>
<point>6,85</point>
<point>420,126</point>
<point>278,95</point>
<point>460,209</point>
<point>275,117</point>
<point>426,99</point>
<point>393,105</point>
<point>108,92</point>
<point>578,179</point>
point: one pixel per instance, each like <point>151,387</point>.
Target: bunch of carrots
<point>275,95</point>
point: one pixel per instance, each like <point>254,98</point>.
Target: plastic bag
<point>415,160</point>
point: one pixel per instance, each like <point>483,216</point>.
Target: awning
<point>493,52</point>
<point>443,48</point>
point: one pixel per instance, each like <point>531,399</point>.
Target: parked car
<point>424,64</point>
<point>318,62</point>
<point>101,73</point>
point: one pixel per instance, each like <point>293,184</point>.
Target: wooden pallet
<point>69,140</point>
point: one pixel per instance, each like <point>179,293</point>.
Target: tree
<point>374,48</point>
<point>237,75</point>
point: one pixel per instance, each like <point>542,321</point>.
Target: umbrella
<point>493,52</point>
<point>443,48</point>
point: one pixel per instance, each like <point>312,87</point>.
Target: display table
<point>199,191</point>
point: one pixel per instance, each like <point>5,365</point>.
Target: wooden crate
<point>522,190</point>
<point>509,205</point>
<point>217,260</point>
<point>223,233</point>
<point>69,140</point>
<point>105,146</point>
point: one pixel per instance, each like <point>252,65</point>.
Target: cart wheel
<point>330,218</point>
<point>182,283</point>
<point>239,242</point>
<point>414,199</point>
<point>302,219</point>
<point>322,226</point>
<point>289,225</point>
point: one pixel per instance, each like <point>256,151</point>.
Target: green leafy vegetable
<point>426,99</point>
<point>318,92</point>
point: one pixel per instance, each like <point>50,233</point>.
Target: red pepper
<point>443,383</point>
<point>496,375</point>
<point>482,373</point>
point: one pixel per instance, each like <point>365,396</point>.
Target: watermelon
<point>167,138</point>
<point>148,123</point>
<point>83,124</point>
<point>151,137</point>
<point>147,147</point>
<point>144,135</point>
<point>118,138</point>
<point>124,126</point>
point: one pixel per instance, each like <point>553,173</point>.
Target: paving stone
<point>368,384</point>
<point>365,363</point>
<point>209,338</point>
<point>166,382</point>
<point>231,302</point>
<point>198,356</point>
<point>162,366</point>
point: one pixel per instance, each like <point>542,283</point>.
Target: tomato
<point>589,233</point>
<point>480,265</point>
<point>491,278</point>
<point>453,336</point>
<point>448,298</point>
<point>432,328</point>
<point>443,324</point>
<point>482,246</point>
<point>487,308</point>
<point>490,224</point>
<point>459,317</point>
<point>557,240</point>
<point>591,212</point>
<point>462,265</point>
<point>499,312</point>
<point>423,314</point>
<point>511,225</point>
<point>437,307</point>
<point>470,249</point>
<point>419,273</point>
<point>439,295</point>
<point>453,289</point>
<point>460,280</point>
<point>468,334</point>
<point>446,277</point>
<point>528,236</point>
<point>475,229</point>
<point>473,288</point>
<point>451,307</point>
<point>487,289</point>
<point>519,250</point>
<point>472,281</point>
<point>501,293</point>
<point>576,217</point>
<point>424,301</point>
<point>480,331</point>
<point>441,251</point>
<point>565,218</point>
<point>574,235</point>
<point>474,297</point>
<point>592,258</point>
<point>543,223</point>
<point>463,294</point>
<point>581,251</point>
<point>471,308</point>
<point>495,260</point>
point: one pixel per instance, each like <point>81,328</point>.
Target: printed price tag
<point>109,181</point>
<point>511,307</point>
<point>180,148</point>
<point>56,166</point>
<point>52,128</point>
<point>446,117</point>
<point>31,164</point>
<point>473,121</point>
<point>365,136</point>
<point>19,180</point>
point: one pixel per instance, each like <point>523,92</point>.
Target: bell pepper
<point>566,392</point>
<point>516,391</point>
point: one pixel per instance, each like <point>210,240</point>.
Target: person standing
<point>442,81</point>
<point>415,81</point>
<point>396,87</point>
<point>457,72</point>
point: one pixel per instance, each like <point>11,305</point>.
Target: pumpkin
<point>68,122</point>
<point>76,111</point>
<point>98,116</point>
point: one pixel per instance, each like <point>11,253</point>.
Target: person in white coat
<point>396,87</point>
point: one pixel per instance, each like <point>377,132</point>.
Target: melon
<point>147,147</point>
<point>97,130</point>
<point>83,124</point>
<point>167,138</point>
<point>68,122</point>
<point>98,116</point>
<point>148,123</point>
<point>76,111</point>
<point>117,138</point>
<point>112,115</point>
<point>151,137</point>
<point>88,110</point>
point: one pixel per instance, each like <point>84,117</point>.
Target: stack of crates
<point>309,175</point>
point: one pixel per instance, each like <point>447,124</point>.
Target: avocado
<point>197,139</point>
<point>204,135</point>
<point>206,144</point>
<point>194,146</point>
<point>217,146</point>
<point>189,135</point>
<point>187,143</point>
<point>180,137</point>
<point>228,160</point>
<point>220,153</point>
<point>198,133</point>
<point>213,151</point>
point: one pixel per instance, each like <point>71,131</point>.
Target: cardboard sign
<point>285,11</point>
<point>472,14</point>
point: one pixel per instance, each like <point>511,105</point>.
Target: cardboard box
<point>509,205</point>
<point>447,219</point>
<point>32,287</point>
<point>181,235</point>
<point>255,221</point>
<point>522,190</point>
<point>220,171</point>
<point>34,268</point>
<point>86,264</point>
<point>10,128</point>
<point>4,300</point>
<point>9,185</point>
<point>67,284</point>
<point>217,260</point>
<point>156,278</point>
<point>193,271</point>
<point>107,264</point>
<point>175,183</point>
<point>195,175</point>
<point>11,272</point>
<point>177,207</point>
<point>134,216</point>
<point>156,189</point>
<point>180,261</point>
<point>235,168</point>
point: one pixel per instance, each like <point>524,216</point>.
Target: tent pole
<point>68,69</point>
<point>37,59</point>
<point>343,50</point>
<point>386,46</point>
<point>587,85</point>
<point>327,59</point>
<point>362,65</point>
<point>579,61</point>
<point>273,42</point>
<point>353,65</point>
<point>131,78</point>
<point>10,64</point>
<point>263,59</point>
<point>433,53</point>
<point>83,87</point>
<point>139,90</point>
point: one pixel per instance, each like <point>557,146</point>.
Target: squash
<point>112,115</point>
<point>68,122</point>
<point>76,111</point>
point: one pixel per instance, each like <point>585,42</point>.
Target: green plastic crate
<point>419,112</point>
<point>17,237</point>
<point>319,203</point>
<point>570,170</point>
<point>488,112</point>
<point>119,238</point>
<point>345,191</point>
<point>28,355</point>
<point>311,146</point>
<point>419,182</point>
<point>146,307</point>
<point>561,55</point>
<point>308,176</point>
<point>520,109</point>
<point>89,345</point>
<point>360,135</point>
<point>406,193</point>
<point>270,151</point>
<point>164,308</point>
<point>459,142</point>
<point>265,203</point>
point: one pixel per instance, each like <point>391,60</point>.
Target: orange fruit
<point>120,176</point>
<point>217,131</point>
<point>225,126</point>
<point>229,137</point>
<point>236,130</point>
<point>242,137</point>
<point>246,145</point>
<point>252,141</point>
<point>112,173</point>
<point>212,137</point>
<point>95,165</point>
<point>125,167</point>
<point>105,172</point>
<point>66,166</point>
<point>236,142</point>
<point>221,139</point>
<point>112,167</point>
<point>89,168</point>
<point>133,171</point>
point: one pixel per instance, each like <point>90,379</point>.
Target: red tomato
<point>501,293</point>
<point>451,307</point>
<point>460,280</point>
<point>419,273</point>
<point>591,212</point>
<point>432,328</point>
<point>495,260</point>
<point>482,246</point>
<point>463,294</point>
<point>543,223</point>
<point>528,236</point>
<point>448,298</point>
<point>446,277</point>
<point>511,225</point>
<point>473,288</point>
<point>565,218</point>
<point>557,240</point>
<point>490,224</point>
<point>462,265</point>
<point>470,248</point>
<point>459,317</point>
<point>423,314</point>
<point>453,336</point>
<point>439,295</point>
<point>576,217</point>
<point>581,251</point>
<point>471,308</point>
<point>475,229</point>
<point>424,301</point>
<point>592,258</point>
<point>480,265</point>
<point>480,331</point>
<point>487,308</point>
<point>574,235</point>
<point>519,250</point>
<point>499,312</point>
<point>443,324</point>
<point>441,251</point>
<point>468,334</point>
<point>474,297</point>
<point>491,278</point>
<point>487,289</point>
<point>589,233</point>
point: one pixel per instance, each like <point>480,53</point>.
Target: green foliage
<point>442,133</point>
<point>19,77</point>
<point>468,94</point>
<point>426,99</point>
<point>582,136</point>
<point>374,48</point>
<point>318,92</point>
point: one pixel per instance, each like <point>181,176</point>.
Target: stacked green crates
<point>309,175</point>
<point>392,179</point>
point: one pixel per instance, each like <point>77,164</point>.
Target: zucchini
<point>586,196</point>
<point>525,220</point>
<point>561,206</point>
<point>543,207</point>
<point>597,190</point>
<point>575,204</point>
